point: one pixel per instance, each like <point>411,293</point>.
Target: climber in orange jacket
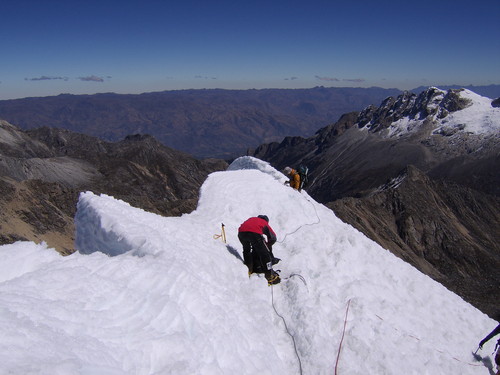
<point>294,177</point>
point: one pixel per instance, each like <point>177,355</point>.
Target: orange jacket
<point>294,179</point>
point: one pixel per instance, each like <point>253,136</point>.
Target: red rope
<point>342,339</point>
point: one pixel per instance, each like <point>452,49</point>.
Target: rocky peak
<point>15,143</point>
<point>432,103</point>
<point>43,170</point>
<point>391,110</point>
<point>432,112</point>
<point>453,102</point>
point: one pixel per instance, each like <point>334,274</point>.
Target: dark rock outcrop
<point>445,230</point>
<point>42,172</point>
<point>363,155</point>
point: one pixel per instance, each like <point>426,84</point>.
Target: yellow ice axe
<point>222,235</point>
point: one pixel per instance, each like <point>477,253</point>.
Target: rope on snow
<point>303,225</point>
<point>343,333</point>
<point>287,331</point>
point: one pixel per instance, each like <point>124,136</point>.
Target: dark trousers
<point>256,255</point>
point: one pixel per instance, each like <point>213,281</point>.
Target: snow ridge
<point>154,295</point>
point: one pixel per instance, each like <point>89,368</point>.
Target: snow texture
<point>147,294</point>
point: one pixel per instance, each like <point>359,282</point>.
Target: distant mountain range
<point>204,123</point>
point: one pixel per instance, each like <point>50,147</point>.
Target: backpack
<point>302,171</point>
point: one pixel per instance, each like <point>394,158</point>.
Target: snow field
<point>154,295</point>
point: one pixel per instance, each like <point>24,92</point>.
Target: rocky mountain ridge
<point>489,91</point>
<point>42,172</point>
<point>408,113</point>
<point>420,174</point>
<point>363,150</point>
<point>445,230</point>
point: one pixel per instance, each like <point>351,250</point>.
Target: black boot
<point>273,278</point>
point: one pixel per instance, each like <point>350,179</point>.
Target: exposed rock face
<point>432,102</point>
<point>445,230</point>
<point>42,171</point>
<point>442,213</point>
<point>34,210</point>
<point>364,150</point>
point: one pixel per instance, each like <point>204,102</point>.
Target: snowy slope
<point>155,295</point>
<point>478,117</point>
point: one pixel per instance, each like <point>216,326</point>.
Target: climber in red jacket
<point>257,249</point>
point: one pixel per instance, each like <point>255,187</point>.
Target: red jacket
<point>259,226</point>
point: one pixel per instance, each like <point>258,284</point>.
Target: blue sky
<point>84,47</point>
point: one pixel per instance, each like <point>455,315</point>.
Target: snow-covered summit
<point>478,117</point>
<point>164,295</point>
<point>433,111</point>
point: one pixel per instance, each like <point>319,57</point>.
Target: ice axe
<point>222,235</point>
<point>476,356</point>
